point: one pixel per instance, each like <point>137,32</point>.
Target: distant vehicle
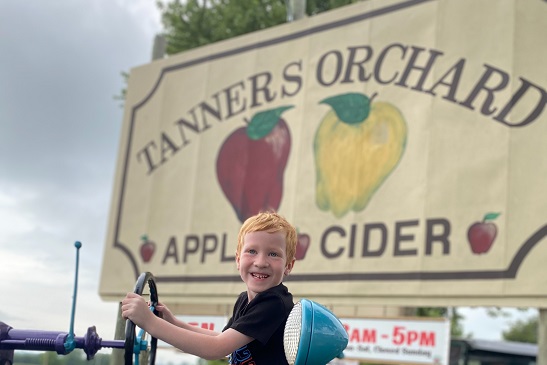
<point>486,352</point>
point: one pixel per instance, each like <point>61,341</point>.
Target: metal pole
<point>158,49</point>
<point>6,357</point>
<point>296,9</point>
<point>117,357</point>
<point>542,337</point>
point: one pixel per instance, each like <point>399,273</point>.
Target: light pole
<point>296,9</point>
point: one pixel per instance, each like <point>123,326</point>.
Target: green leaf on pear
<point>350,108</point>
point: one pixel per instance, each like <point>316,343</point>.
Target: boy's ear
<point>237,261</point>
<point>289,267</point>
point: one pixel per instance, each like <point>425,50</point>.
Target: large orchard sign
<point>406,140</point>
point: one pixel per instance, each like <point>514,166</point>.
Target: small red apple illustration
<point>147,248</point>
<point>302,246</point>
<point>481,235</point>
<point>251,163</point>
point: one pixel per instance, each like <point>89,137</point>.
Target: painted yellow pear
<point>357,145</point>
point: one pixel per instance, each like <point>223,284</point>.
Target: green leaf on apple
<point>263,122</point>
<point>490,216</point>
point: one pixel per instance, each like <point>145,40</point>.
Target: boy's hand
<point>165,313</point>
<point>135,308</point>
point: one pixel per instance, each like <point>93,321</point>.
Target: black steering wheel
<point>135,343</point>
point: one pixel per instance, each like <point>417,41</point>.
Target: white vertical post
<point>158,49</point>
<point>542,337</point>
<point>296,9</point>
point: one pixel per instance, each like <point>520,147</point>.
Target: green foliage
<point>523,331</point>
<point>317,6</point>
<point>431,311</point>
<point>123,92</point>
<point>193,23</point>
<point>456,327</point>
<point>196,23</point>
<point>496,312</point>
<point>217,362</point>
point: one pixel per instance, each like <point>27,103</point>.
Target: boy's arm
<point>167,315</point>
<point>209,346</point>
<point>206,346</point>
<point>196,329</point>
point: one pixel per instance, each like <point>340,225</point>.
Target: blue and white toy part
<point>313,335</point>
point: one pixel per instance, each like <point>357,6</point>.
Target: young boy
<point>254,335</point>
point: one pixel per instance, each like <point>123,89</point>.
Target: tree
<point>523,331</point>
<point>195,23</point>
<point>318,6</point>
<point>456,328</point>
<point>215,362</point>
<point>191,24</point>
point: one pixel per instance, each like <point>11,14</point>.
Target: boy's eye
<point>251,251</point>
<point>274,254</point>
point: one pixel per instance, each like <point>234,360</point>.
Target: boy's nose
<point>261,261</point>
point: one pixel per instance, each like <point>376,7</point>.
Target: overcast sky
<point>60,68</point>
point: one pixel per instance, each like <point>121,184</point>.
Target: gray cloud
<point>60,68</point>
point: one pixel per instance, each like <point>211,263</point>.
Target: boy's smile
<point>262,262</point>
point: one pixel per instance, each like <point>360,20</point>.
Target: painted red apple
<point>251,163</point>
<point>481,235</point>
<point>302,246</point>
<point>147,248</point>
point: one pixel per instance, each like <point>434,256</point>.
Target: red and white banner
<point>401,341</point>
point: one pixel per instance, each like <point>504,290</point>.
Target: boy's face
<point>262,262</point>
